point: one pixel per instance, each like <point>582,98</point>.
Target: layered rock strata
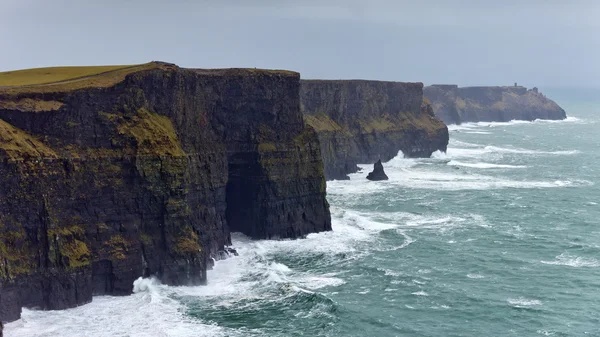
<point>456,105</point>
<point>363,121</point>
<point>145,171</point>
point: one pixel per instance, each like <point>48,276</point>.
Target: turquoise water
<point>498,237</point>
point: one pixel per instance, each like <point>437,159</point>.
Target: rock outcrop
<point>144,171</point>
<point>378,173</point>
<point>456,105</point>
<point>364,121</point>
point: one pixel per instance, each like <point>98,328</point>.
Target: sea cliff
<point>361,121</point>
<point>110,174</point>
<point>456,105</point>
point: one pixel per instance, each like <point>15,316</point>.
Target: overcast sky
<point>468,42</point>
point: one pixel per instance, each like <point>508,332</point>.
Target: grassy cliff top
<point>38,76</point>
<point>63,79</point>
<point>357,81</point>
<point>244,72</point>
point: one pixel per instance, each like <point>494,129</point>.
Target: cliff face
<point>144,172</point>
<point>455,105</point>
<point>364,121</point>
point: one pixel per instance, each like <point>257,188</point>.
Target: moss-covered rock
<point>109,174</point>
<point>364,121</point>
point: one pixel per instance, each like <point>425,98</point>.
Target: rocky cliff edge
<point>360,122</point>
<point>107,175</point>
<point>456,105</point>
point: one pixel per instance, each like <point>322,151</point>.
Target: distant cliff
<point>364,121</point>
<point>455,105</point>
<point>136,171</point>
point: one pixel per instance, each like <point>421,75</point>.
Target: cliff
<point>364,121</point>
<point>109,174</point>
<point>455,105</point>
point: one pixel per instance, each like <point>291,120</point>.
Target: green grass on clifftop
<point>62,79</point>
<point>51,75</point>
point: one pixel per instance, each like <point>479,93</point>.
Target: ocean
<point>500,236</point>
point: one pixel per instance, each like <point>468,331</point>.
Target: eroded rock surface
<point>145,172</point>
<point>456,105</point>
<point>363,121</point>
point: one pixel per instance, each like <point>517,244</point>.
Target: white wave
<point>527,151</point>
<point>399,161</point>
<point>359,186</point>
<point>157,310</point>
<point>439,155</point>
<point>475,276</point>
<point>256,268</point>
<point>407,241</point>
<point>478,152</point>
<point>565,259</point>
<point>472,125</point>
<point>420,293</point>
<point>318,282</point>
<point>145,285</point>
<point>457,143</point>
<point>523,302</point>
<point>569,119</point>
<point>483,165</point>
<point>478,132</point>
<point>149,312</point>
<point>457,181</point>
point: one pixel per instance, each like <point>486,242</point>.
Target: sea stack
<point>378,173</point>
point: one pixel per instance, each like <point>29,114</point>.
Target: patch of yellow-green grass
<point>460,103</point>
<point>499,105</point>
<point>16,258</point>
<point>117,247</point>
<point>28,104</point>
<point>52,74</point>
<point>187,243</point>
<point>321,123</point>
<point>267,147</point>
<point>432,126</point>
<point>154,134</point>
<point>383,123</point>
<point>64,79</point>
<point>18,144</point>
<point>75,253</point>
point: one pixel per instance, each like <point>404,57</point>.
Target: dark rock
<point>232,251</point>
<point>378,173</point>
<point>364,121</point>
<point>146,177</point>
<point>222,255</point>
<point>456,105</point>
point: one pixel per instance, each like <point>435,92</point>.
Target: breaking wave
<point>565,259</point>
<point>472,125</point>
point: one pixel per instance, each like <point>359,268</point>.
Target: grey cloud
<point>543,43</point>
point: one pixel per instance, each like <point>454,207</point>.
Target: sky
<point>544,43</point>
